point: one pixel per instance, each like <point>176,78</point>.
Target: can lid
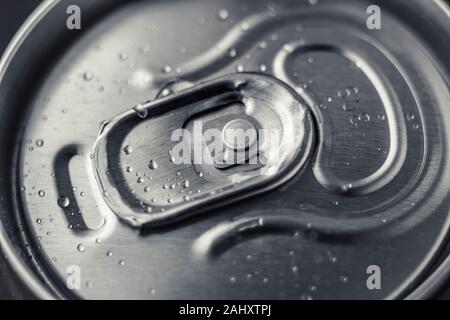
<point>360,193</point>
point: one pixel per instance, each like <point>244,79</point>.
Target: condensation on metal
<point>373,193</point>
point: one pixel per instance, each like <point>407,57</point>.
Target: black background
<point>12,15</point>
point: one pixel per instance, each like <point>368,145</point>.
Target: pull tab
<point>204,147</point>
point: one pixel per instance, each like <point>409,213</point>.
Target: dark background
<point>12,15</point>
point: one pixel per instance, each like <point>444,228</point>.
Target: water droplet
<point>347,107</point>
<point>183,50</point>
<point>121,263</point>
<point>63,202</point>
<point>186,198</point>
<point>233,280</point>
<point>223,14</point>
<point>343,93</point>
<point>41,193</point>
<point>381,117</point>
<point>354,120</point>
<point>232,53</point>
<point>263,68</point>
<point>363,117</point>
<point>81,248</point>
<point>153,165</point>
<point>240,68</point>
<point>166,92</point>
<point>128,149</point>
<point>140,180</point>
<point>312,288</point>
<point>347,186</point>
<point>123,56</point>
<point>141,111</point>
<point>167,69</point>
<point>410,117</point>
<point>98,240</point>
<point>186,184</point>
<point>244,26</point>
<point>39,142</point>
<point>109,254</point>
<point>306,296</point>
<point>313,2</point>
<point>343,279</point>
<point>263,45</point>
<point>39,221</point>
<point>88,76</point>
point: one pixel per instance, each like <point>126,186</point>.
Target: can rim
<point>436,279</point>
<point>424,290</point>
<point>24,273</point>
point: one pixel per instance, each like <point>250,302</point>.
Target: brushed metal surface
<point>376,192</point>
